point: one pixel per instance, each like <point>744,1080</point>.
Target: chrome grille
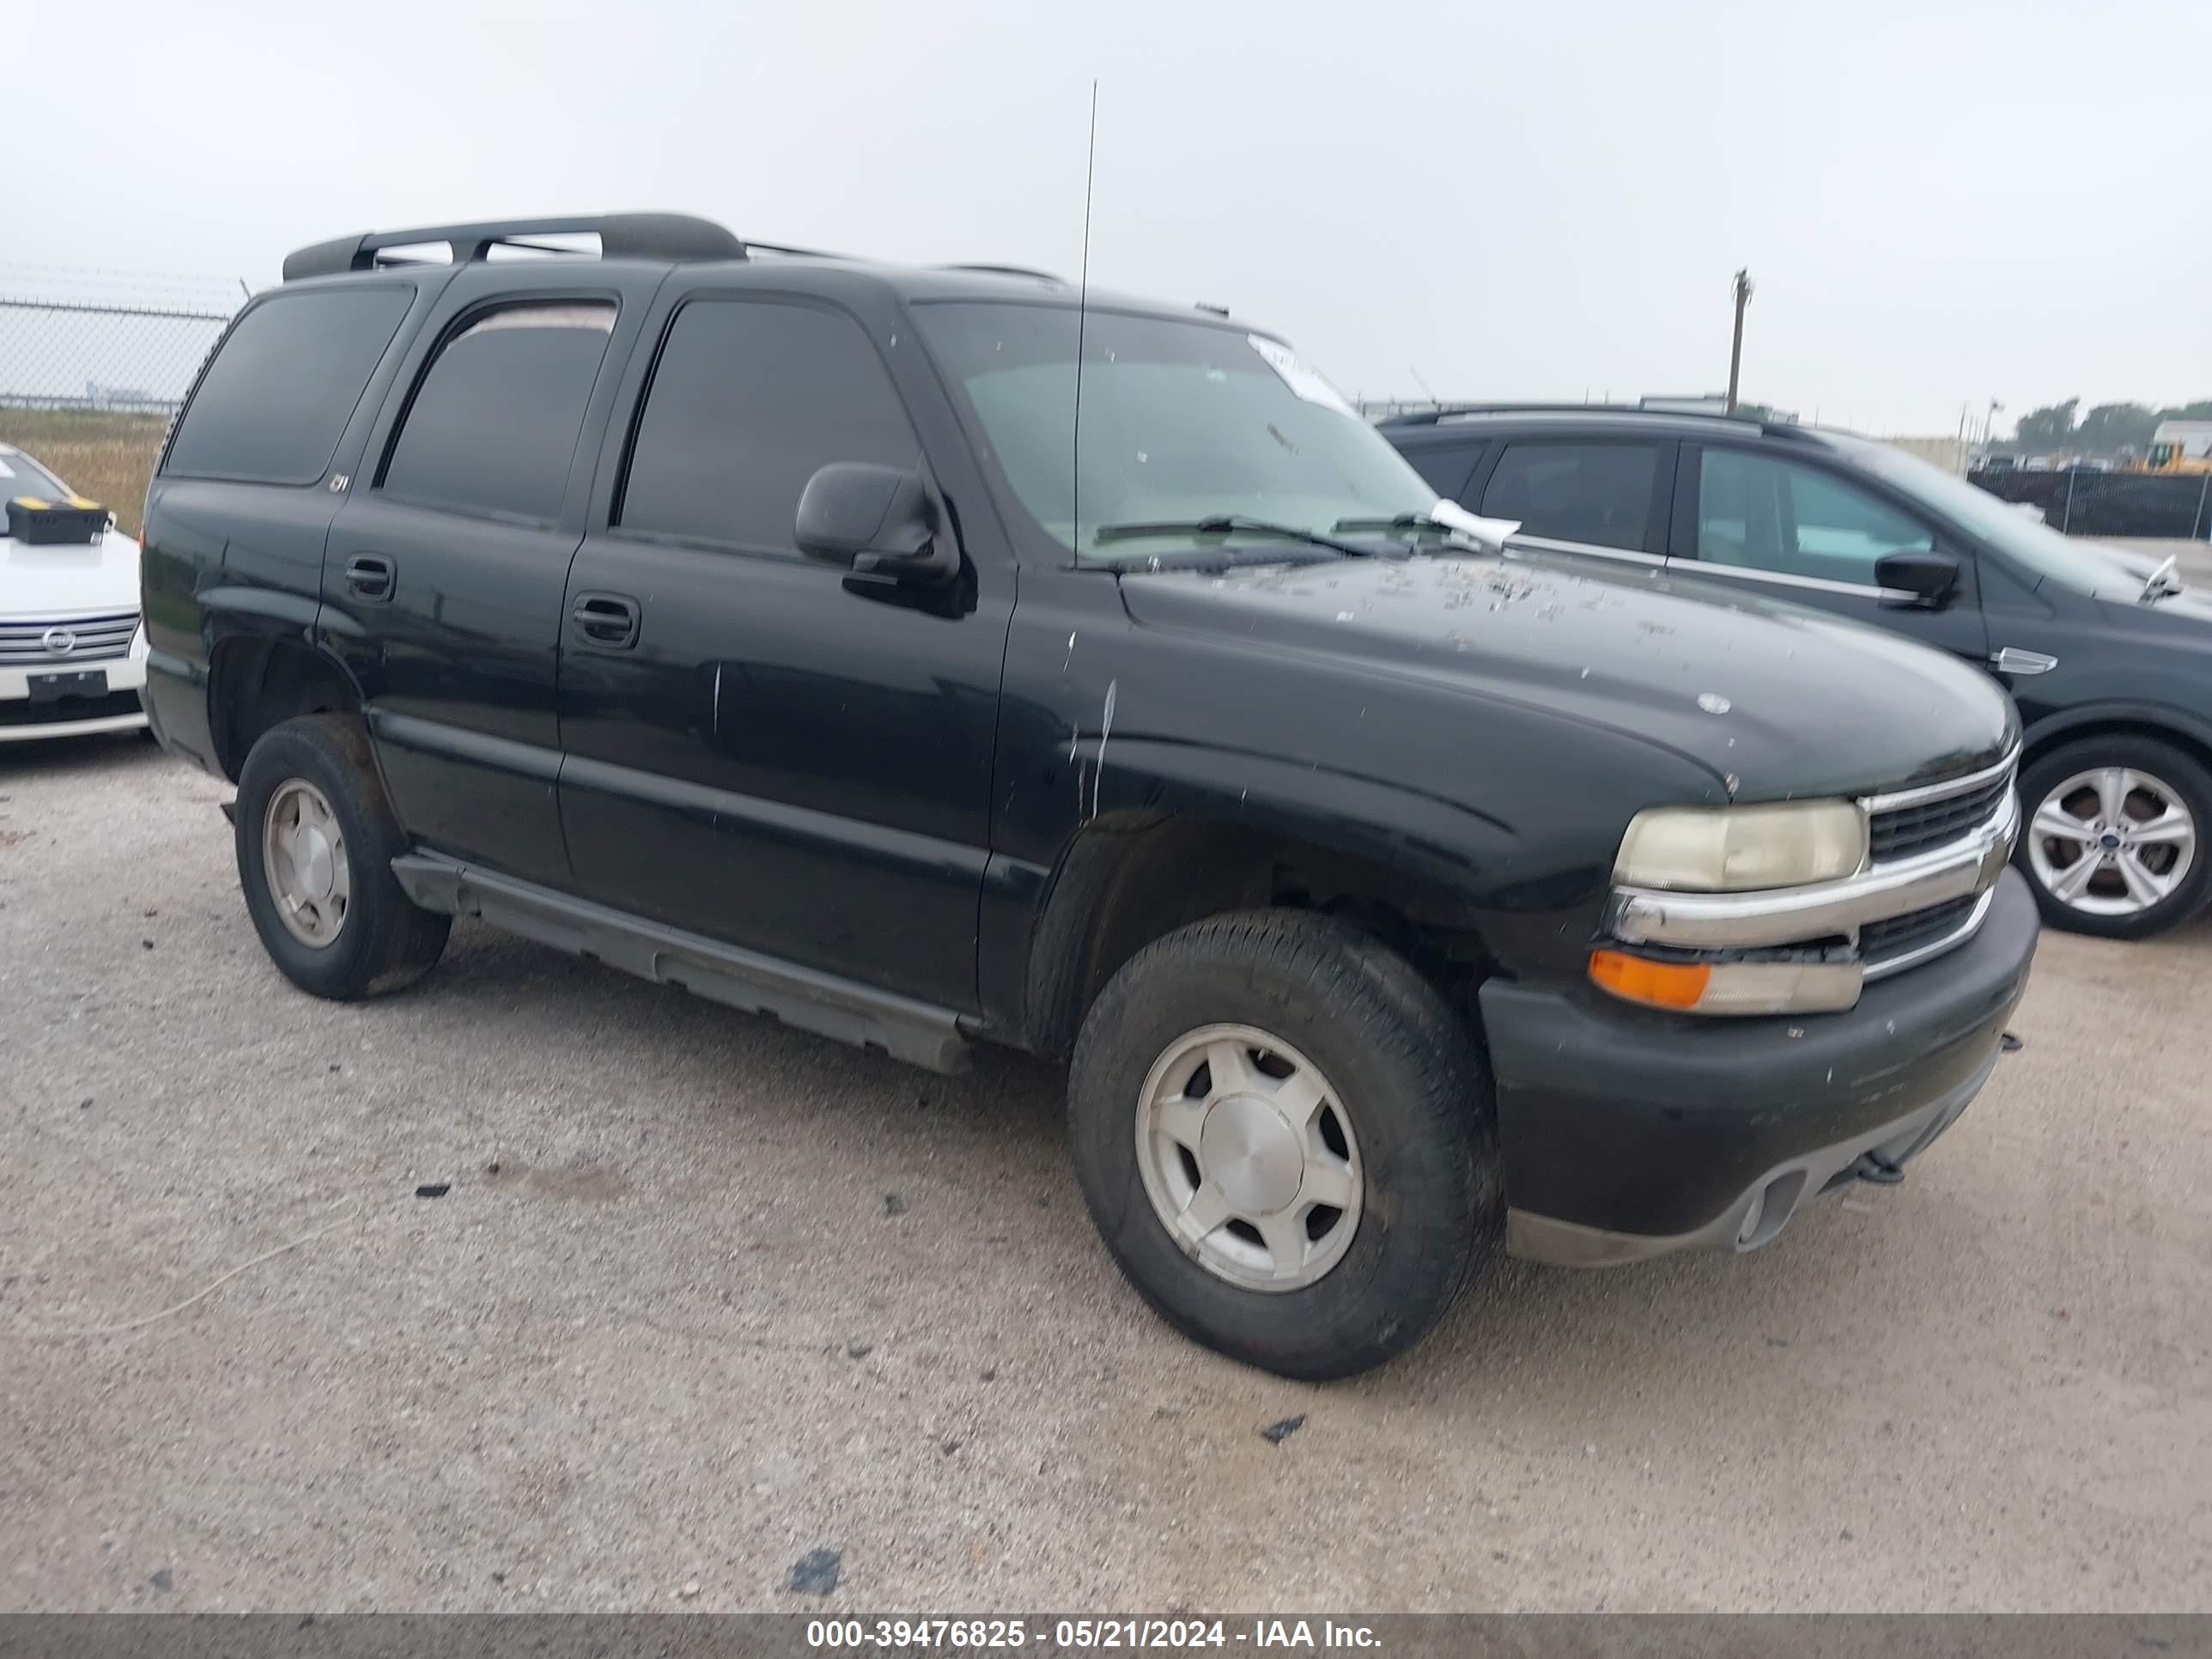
<point>1904,830</point>
<point>1896,936</point>
<point>33,642</point>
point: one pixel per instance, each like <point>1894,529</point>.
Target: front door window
<point>1759,513</point>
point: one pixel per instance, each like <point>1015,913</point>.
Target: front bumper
<point>1628,1135</point>
<point>121,709</point>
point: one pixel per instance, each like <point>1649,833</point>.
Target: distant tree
<point>2109,428</point>
<point>2104,430</point>
<point>2051,427</point>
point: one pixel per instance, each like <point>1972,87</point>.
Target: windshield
<point>2083,565</point>
<point>1181,421</point>
<point>21,475</point>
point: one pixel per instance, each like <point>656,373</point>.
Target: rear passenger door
<point>765,749</point>
<point>445,566</point>
<point>1594,496</point>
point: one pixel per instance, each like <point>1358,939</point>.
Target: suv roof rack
<point>674,236</point>
<point>790,251</point>
<point>1450,411</point>
<point>1447,411</point>
<point>1012,271</point>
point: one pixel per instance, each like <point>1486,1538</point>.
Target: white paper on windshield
<point>6,470</point>
<point>1301,376</point>
<point>1488,534</point>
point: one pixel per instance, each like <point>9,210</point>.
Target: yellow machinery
<point>2179,446</point>
<point>2172,458</point>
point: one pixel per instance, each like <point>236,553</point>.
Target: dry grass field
<point>107,457</point>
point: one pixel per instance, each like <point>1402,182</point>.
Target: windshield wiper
<point>1489,535</point>
<point>1402,521</point>
<point>2159,584</point>
<point>1224,524</point>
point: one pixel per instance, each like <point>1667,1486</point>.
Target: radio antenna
<point>1081,314</point>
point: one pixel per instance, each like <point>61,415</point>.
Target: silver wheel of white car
<point>1248,1157</point>
<point>304,854</point>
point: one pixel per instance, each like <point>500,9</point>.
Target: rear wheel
<point>2115,838</point>
<point>1282,1134</point>
<point>315,844</point>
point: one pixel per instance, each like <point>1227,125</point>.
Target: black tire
<point>385,942</point>
<point>1404,1066</point>
<point>2175,770</point>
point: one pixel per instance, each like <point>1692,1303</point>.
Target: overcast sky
<point>1940,203</point>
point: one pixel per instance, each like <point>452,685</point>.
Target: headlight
<point>1740,849</point>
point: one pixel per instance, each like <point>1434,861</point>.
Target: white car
<point>72,652</point>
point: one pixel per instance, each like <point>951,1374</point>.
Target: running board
<point>917,1032</point>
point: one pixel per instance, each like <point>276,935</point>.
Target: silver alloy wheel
<point>2113,842</point>
<point>1248,1157</point>
<point>304,857</point>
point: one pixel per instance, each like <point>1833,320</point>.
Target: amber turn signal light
<point>1639,978</point>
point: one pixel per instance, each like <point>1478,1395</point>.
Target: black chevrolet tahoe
<point>935,657</point>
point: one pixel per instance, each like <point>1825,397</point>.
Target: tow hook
<point>1882,1171</point>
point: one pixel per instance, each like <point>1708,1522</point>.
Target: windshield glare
<point>21,475</point>
<point>2083,565</point>
<point>1182,421</point>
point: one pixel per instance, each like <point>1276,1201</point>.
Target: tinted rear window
<point>1599,493</point>
<point>278,396</point>
<point>1445,468</point>
<point>493,426</point>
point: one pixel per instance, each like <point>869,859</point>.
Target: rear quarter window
<point>276,400</point>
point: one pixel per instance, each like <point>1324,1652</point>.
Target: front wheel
<point>315,845</point>
<point>1283,1132</point>
<point>2114,837</point>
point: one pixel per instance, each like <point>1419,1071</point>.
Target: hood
<point>2192,605</point>
<point>2189,612</point>
<point>1775,701</point>
<point>83,578</point>
<point>2189,604</point>
<point>2137,564</point>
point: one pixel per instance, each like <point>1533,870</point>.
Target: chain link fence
<point>93,366</point>
<point>2084,502</point>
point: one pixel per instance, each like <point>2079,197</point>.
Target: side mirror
<point>879,520</point>
<point>1930,578</point>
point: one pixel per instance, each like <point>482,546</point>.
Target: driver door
<point>1798,531</point>
<point>767,751</point>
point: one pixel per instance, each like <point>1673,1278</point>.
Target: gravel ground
<point>704,1296</point>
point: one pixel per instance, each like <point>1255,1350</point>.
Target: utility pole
<point>1735,352</point>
